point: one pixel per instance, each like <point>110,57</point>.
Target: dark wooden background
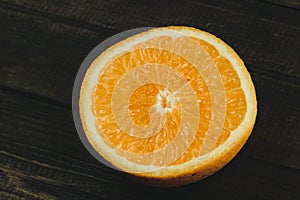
<point>42,45</point>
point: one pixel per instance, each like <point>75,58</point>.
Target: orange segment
<point>141,101</point>
<point>235,108</point>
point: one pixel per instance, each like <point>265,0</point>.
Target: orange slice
<point>169,106</point>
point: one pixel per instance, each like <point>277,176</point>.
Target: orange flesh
<point>145,97</point>
<point>141,101</point>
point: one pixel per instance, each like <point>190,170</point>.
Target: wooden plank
<point>120,15</point>
<point>277,122</point>
<point>59,49</point>
<point>223,19</point>
<point>288,3</point>
<point>275,137</point>
<point>34,51</point>
<point>28,177</point>
<point>41,157</point>
<point>262,9</point>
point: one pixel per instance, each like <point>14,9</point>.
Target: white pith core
<point>165,101</point>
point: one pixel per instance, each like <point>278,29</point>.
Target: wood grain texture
<point>36,164</point>
<point>42,46</point>
<point>107,13</point>
<point>255,30</point>
<point>35,50</point>
<point>60,48</point>
<point>288,3</point>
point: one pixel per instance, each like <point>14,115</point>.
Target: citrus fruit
<point>168,106</point>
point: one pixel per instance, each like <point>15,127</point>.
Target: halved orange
<point>169,106</point>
